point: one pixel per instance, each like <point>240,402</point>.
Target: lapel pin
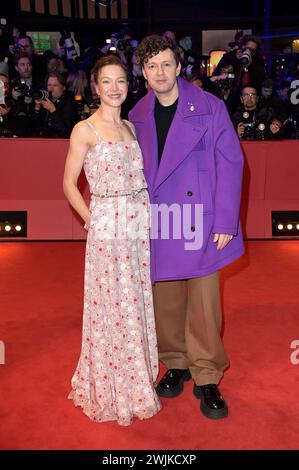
<point>191,106</point>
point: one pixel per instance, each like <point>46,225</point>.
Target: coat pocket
<point>205,190</point>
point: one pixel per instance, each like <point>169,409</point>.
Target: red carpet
<point>41,308</point>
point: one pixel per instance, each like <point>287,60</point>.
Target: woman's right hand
<point>87,223</point>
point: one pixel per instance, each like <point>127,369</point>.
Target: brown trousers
<point>188,321</point>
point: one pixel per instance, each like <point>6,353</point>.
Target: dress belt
<point>132,193</point>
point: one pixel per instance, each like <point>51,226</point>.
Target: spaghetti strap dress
<point>116,372</point>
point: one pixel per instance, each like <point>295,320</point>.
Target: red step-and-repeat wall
<point>31,172</point>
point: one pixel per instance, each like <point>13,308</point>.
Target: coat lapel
<point>185,131</point>
<point>178,147</point>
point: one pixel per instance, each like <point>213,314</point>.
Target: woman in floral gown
<point>118,365</point>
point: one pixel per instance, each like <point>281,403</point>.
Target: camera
<point>69,45</point>
<point>254,131</point>
<point>126,45</point>
<point>41,94</point>
<point>123,44</point>
<point>16,49</point>
<point>118,42</point>
<point>246,57</point>
<point>25,90</point>
<point>189,67</point>
<point>248,131</point>
<point>226,83</point>
<point>20,86</point>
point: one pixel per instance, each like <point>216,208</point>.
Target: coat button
<point>192,229</point>
<point>189,193</point>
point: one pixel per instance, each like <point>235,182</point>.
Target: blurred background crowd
<point>44,95</point>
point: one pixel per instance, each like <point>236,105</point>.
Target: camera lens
<point>246,57</point>
<point>40,95</point>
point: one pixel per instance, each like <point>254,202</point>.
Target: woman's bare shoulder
<point>130,126</point>
<point>82,131</point>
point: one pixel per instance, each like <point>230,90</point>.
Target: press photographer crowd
<point>45,95</point>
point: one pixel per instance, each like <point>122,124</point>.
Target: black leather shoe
<point>212,404</point>
<point>172,383</point>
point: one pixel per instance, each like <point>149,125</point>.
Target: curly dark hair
<point>152,45</point>
<point>108,60</point>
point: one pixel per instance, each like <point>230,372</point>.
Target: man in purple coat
<point>193,165</point>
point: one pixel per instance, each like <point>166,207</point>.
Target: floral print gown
<point>118,365</point>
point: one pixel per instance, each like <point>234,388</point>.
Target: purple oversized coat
<point>202,163</point>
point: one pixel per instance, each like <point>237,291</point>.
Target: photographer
<point>24,45</point>
<point>223,87</point>
<point>123,44</point>
<point>247,62</point>
<point>25,81</point>
<point>23,68</point>
<point>253,122</point>
<point>187,57</point>
<point>269,99</point>
<point>23,84</point>
<point>126,42</point>
<point>69,49</point>
<point>6,118</point>
<point>21,103</point>
<point>54,112</point>
<point>14,121</point>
